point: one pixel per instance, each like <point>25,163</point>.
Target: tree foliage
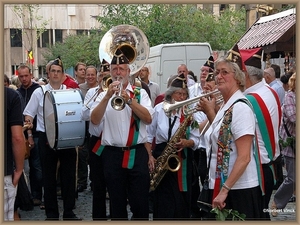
<point>29,21</point>
<point>161,23</point>
<point>171,23</point>
<point>75,48</point>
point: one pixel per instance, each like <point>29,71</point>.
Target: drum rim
<point>55,118</point>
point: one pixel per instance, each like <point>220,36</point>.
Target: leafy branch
<point>225,214</point>
<point>289,142</point>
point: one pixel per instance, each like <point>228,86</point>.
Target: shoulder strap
<point>43,88</point>
<point>266,129</point>
<point>285,127</point>
<point>129,156</point>
<point>264,122</point>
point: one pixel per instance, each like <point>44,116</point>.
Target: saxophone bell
<point>173,163</point>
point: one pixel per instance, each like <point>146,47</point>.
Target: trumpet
<point>169,107</point>
<point>104,86</point>
<point>118,102</point>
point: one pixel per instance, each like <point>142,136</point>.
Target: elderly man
<point>125,158</point>
<point>268,112</point>
<point>270,78</point>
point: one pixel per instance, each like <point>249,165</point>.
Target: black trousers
<point>169,203</point>
<point>97,176</point>
<point>83,154</point>
<point>195,192</point>
<point>49,159</point>
<point>122,183</point>
<point>247,201</point>
<point>269,184</point>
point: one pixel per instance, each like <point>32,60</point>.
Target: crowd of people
<point>237,128</point>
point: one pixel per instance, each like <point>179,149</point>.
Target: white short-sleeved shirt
<point>36,103</point>
<point>89,99</point>
<point>116,123</point>
<point>267,96</point>
<point>243,123</point>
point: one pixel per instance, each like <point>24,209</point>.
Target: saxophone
<point>169,160</point>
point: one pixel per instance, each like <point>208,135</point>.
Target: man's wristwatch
<point>129,102</point>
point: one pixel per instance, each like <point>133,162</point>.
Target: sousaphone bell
<point>134,45</point>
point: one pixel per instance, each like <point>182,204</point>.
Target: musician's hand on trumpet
<point>113,88</point>
<point>207,105</point>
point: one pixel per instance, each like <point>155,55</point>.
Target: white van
<point>165,58</point>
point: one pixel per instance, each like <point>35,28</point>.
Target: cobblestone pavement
<point>84,210</point>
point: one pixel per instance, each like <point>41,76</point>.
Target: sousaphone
<point>131,41</point>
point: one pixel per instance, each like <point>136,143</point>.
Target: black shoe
<point>292,199</point>
<point>81,188</point>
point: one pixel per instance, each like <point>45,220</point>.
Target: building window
<point>82,32</point>
<point>15,38</point>
<point>43,40</point>
<point>223,7</point>
<point>47,39</point>
<point>59,36</point>
<point>42,71</point>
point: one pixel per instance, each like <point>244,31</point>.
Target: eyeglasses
<point>184,94</point>
<point>55,71</point>
<point>202,71</point>
<point>222,72</point>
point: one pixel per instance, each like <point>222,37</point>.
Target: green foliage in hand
<point>228,214</point>
<point>288,142</point>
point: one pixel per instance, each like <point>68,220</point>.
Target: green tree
<point>161,23</point>
<point>83,48</point>
<point>30,23</point>
<point>171,23</point>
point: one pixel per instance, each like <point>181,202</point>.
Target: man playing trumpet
<point>124,156</point>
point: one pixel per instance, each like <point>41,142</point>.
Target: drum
<point>62,118</point>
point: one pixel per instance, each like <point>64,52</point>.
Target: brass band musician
<point>171,198</point>
<point>98,184</point>
<point>125,158</point>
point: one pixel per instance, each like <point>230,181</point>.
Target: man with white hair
<point>267,110</point>
<point>270,78</point>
